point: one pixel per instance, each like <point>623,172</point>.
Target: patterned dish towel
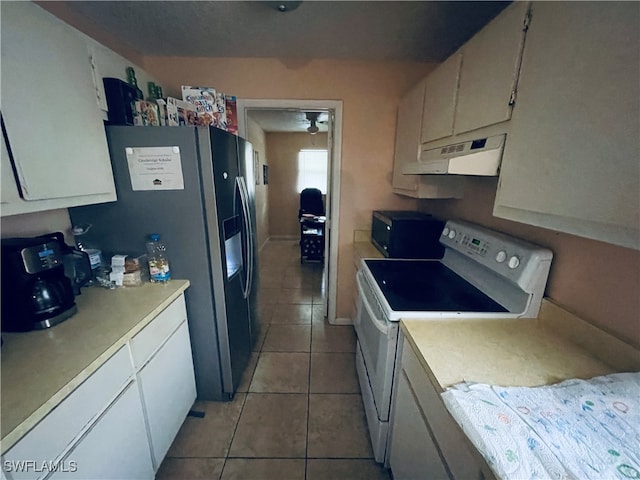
<point>577,429</point>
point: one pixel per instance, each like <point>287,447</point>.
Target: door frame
<point>335,154</point>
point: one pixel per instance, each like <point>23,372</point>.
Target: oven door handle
<point>379,323</point>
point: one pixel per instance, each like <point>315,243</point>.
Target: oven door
<point>378,340</point>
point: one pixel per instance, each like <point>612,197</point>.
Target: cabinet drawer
<point>451,440</point>
<point>153,335</point>
<point>115,447</point>
<point>57,430</point>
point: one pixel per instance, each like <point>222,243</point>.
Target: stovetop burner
<point>415,286</point>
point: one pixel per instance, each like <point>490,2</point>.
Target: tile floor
<point>298,412</point>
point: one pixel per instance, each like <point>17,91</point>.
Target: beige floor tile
<point>211,435</point>
<point>281,373</point>
<point>287,338</point>
<point>296,280</point>
<point>245,381</point>
<point>295,296</point>
<point>297,314</point>
<point>338,427</point>
<point>262,335</point>
<point>263,469</point>
<point>325,469</point>
<point>271,426</point>
<point>332,338</point>
<point>333,373</point>
<point>190,468</point>
<point>269,296</point>
<point>317,314</point>
<point>271,278</point>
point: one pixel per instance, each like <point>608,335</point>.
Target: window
<point>312,169</point>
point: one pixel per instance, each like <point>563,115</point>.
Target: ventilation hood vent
<point>474,157</point>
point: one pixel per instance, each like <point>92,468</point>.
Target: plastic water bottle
<point>159,271</point>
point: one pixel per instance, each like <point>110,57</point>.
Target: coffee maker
<point>36,294</point>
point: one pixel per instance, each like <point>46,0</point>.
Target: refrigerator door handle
<point>247,222</point>
<point>250,236</point>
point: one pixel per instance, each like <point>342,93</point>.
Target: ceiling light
<point>313,129</point>
<point>284,6</point>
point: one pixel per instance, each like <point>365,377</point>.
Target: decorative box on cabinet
<point>571,158</point>
<point>54,128</point>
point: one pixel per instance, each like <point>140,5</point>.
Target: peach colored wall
<point>257,138</point>
<point>38,223</point>
<point>597,281</point>
<point>369,91</point>
<point>284,199</point>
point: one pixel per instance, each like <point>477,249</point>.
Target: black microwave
<point>407,234</point>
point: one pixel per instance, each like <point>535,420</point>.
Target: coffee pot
<point>36,293</point>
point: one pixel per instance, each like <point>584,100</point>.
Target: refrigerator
<point>195,187</point>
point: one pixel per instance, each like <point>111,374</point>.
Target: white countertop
<point>40,368</point>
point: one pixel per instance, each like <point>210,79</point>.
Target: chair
<point>312,220</point>
<point>311,202</point>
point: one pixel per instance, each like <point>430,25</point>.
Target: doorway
<point>333,108</point>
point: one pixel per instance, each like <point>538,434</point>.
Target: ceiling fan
<point>313,119</point>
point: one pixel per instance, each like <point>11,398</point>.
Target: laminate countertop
<point>41,368</point>
<point>517,352</point>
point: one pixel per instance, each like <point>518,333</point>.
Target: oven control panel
<point>521,262</point>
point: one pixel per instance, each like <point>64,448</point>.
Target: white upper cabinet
<point>441,91</point>
<point>407,150</point>
<point>408,137</point>
<point>489,73</point>
<point>475,87</point>
<point>54,127</point>
<point>571,157</point>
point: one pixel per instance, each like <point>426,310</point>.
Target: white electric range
<point>483,274</point>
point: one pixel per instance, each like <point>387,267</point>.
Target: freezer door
<point>246,164</point>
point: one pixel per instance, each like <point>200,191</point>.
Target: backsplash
<point>34,224</point>
<point>597,281</point>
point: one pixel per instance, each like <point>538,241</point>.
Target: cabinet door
<point>440,96</point>
<point>571,158</point>
<point>413,452</point>
<point>408,128</point>
<point>116,447</point>
<point>168,390</point>
<point>489,72</point>
<point>54,127</point>
<point>9,192</point>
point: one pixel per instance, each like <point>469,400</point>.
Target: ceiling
<point>423,31</point>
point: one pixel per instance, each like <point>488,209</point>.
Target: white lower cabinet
<point>115,447</point>
<point>120,422</point>
<point>425,441</point>
<point>168,391</point>
<point>413,452</point>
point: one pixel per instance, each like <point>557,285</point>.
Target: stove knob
<point>501,256</point>
<point>445,232</point>
<point>514,262</point>
<point>452,234</point>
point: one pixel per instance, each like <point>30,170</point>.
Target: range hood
<point>481,156</point>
